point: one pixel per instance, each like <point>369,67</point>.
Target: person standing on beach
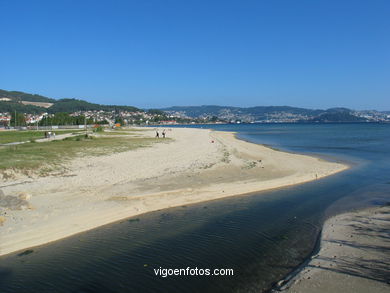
<point>163,133</point>
<point>157,134</point>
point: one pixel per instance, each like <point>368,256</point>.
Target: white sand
<point>100,190</point>
<point>354,256</point>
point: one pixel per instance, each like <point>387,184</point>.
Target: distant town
<point>18,109</point>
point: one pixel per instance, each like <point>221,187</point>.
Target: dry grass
<point>28,135</point>
<point>48,156</point>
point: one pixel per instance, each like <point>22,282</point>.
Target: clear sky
<point>157,53</point>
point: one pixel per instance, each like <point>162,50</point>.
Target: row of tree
<point>18,119</point>
<point>64,119</point>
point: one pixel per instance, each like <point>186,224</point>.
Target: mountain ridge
<point>11,101</point>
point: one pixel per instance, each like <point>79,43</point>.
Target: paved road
<point>58,137</point>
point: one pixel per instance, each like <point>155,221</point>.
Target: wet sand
<point>354,256</point>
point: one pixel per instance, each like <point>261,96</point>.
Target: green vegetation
<point>134,129</point>
<point>194,114</point>
<point>158,115</point>
<point>17,136</point>
<point>65,119</point>
<point>258,112</point>
<point>340,116</point>
<point>10,107</point>
<point>157,112</point>
<point>119,120</point>
<point>63,105</point>
<point>74,105</point>
<point>17,118</point>
<point>250,165</point>
<point>17,97</point>
<point>49,156</point>
<point>118,133</point>
<point>99,129</point>
<point>21,96</point>
<point>226,157</point>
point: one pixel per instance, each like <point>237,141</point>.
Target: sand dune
<point>198,165</point>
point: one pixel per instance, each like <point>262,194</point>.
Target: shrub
<point>98,129</point>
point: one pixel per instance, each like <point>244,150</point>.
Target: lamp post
<point>85,125</point>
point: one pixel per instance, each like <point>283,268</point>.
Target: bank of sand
<point>354,256</point>
<point>197,165</point>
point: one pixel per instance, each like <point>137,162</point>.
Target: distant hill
<point>10,107</point>
<point>196,111</point>
<point>247,114</point>
<point>339,116</point>
<point>11,101</point>
<point>20,96</point>
<point>74,105</point>
<point>256,113</point>
<point>268,114</point>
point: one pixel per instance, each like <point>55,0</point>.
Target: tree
<point>120,121</point>
<point>156,112</point>
<point>64,119</point>
<point>20,119</point>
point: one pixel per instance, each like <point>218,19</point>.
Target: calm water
<point>261,236</point>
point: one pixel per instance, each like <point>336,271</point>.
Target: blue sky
<point>314,54</point>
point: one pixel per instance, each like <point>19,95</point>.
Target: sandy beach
<point>196,165</point>
<point>354,256</point>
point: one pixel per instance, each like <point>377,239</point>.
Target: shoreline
<point>327,158</point>
<point>200,165</point>
<point>285,282</point>
<point>344,258</point>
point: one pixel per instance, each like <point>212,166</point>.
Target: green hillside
<point>11,107</point>
<point>340,116</point>
<point>259,112</point>
<point>62,105</point>
<point>74,105</point>
<point>21,96</point>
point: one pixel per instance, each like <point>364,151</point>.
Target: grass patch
<point>49,156</point>
<point>28,135</point>
<point>208,166</point>
<point>132,129</point>
<point>118,133</point>
<point>122,131</point>
<point>226,157</point>
<point>250,165</point>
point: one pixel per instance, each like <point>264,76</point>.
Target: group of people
<point>49,134</point>
<point>162,133</point>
